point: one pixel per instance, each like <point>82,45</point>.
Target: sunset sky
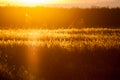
<point>70,3</point>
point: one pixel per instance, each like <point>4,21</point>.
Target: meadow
<point>60,54</point>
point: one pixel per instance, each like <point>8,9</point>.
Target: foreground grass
<point>70,54</point>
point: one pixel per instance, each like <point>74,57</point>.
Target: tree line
<point>44,17</point>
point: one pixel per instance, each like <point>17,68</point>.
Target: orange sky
<point>75,2</point>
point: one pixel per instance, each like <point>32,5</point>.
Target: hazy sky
<point>80,3</point>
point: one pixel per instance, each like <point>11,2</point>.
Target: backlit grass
<point>62,54</point>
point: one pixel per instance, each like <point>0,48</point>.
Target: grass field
<point>60,54</point>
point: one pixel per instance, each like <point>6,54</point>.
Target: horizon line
<point>60,6</point>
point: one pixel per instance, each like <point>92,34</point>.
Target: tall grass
<point>63,54</point>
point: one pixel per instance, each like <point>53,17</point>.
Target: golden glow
<point>32,2</point>
<point>33,35</point>
<point>29,2</point>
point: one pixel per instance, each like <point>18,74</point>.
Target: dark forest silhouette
<point>41,17</point>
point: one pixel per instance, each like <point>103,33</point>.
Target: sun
<point>35,2</point>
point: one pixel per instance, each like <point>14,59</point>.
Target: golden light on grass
<point>33,35</point>
<point>32,54</point>
<point>33,60</point>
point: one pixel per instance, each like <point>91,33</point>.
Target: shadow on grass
<point>58,63</point>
